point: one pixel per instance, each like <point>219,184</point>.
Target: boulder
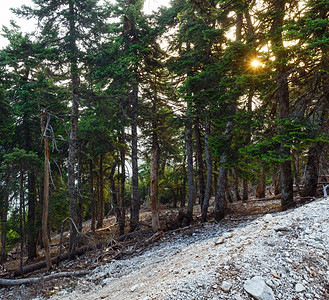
<point>257,288</point>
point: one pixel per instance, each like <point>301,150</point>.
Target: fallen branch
<point>42,264</point>
<point>11,282</point>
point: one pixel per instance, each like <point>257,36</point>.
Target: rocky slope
<point>279,256</point>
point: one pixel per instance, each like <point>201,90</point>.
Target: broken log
<point>12,282</point>
<point>42,264</point>
<point>78,252</point>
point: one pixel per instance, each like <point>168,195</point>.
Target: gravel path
<point>289,250</point>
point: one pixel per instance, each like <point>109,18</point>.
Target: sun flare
<point>255,63</point>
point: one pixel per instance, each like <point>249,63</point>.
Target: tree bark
<point>183,188</point>
<point>32,232</point>
<point>122,212</point>
<point>245,192</point>
<point>80,212</point>
<point>74,124</point>
<point>21,228</point>
<point>316,149</point>
<point>3,214</point>
<point>130,38</point>
<point>260,192</point>
<point>100,215</point>
<point>154,174</point>
<point>190,181</point>
<point>282,95</point>
<point>92,196</point>
<point>220,200</point>
<point>154,190</point>
<point>199,151</point>
<point>207,195</point>
<point>44,227</point>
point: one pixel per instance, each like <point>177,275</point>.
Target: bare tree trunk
<point>45,238</point>
<point>154,189</point>
<point>201,184</point>
<point>32,233</point>
<point>190,182</point>
<point>100,215</point>
<point>74,127</point>
<point>260,191</point>
<point>122,214</point>
<point>245,192</point>
<point>207,195</point>
<point>80,212</point>
<point>245,185</point>
<point>92,196</point>
<point>183,189</point>
<point>154,174</point>
<point>316,149</point>
<point>283,101</point>
<point>130,39</point>
<point>236,186</point>
<point>3,214</point>
<point>21,233</point>
<point>296,166</point>
<point>220,200</point>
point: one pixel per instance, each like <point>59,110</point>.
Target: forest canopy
<point>105,108</point>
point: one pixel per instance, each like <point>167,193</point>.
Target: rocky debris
<point>257,288</point>
<point>299,288</point>
<point>293,263</point>
<point>226,286</point>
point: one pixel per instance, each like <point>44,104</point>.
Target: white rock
<point>238,297</point>
<point>281,228</point>
<point>133,288</point>
<point>257,288</point>
<point>226,286</point>
<point>299,288</point>
<point>319,246</point>
<point>220,240</point>
<point>268,218</point>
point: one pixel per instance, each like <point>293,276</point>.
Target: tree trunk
<point>21,229</point>
<point>207,195</point>
<point>154,174</point>
<point>100,215</point>
<point>92,196</point>
<point>260,191</point>
<point>316,149</point>
<point>312,170</point>
<point>31,232</point>
<point>190,182</point>
<point>282,95</point>
<point>220,200</point>
<point>3,214</point>
<point>236,186</point>
<point>44,227</point>
<point>74,126</point>
<point>199,151</point>
<point>296,166</point>
<point>122,212</point>
<point>80,212</point>
<point>245,192</point>
<point>130,38</point>
<point>154,189</point>
<point>183,189</point>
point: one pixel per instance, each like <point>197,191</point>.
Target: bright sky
<point>28,25</point>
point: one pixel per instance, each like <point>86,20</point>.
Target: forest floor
<point>284,253</point>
